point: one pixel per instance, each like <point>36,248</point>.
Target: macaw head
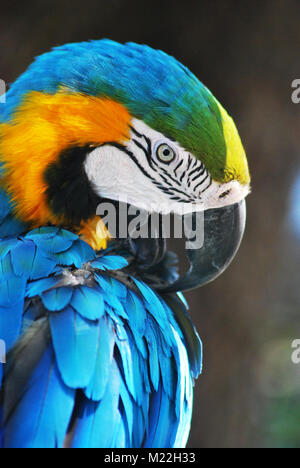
<point>101,120</point>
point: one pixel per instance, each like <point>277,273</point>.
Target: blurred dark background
<point>247,53</point>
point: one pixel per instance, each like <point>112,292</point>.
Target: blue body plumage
<point>100,364</point>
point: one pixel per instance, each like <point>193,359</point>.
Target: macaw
<point>100,348</point>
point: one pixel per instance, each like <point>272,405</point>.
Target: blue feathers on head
<point>152,85</point>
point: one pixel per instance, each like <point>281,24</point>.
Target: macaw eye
<point>165,153</point>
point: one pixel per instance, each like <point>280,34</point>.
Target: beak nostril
<point>224,194</point>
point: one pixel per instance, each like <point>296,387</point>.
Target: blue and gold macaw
<point>101,351</point>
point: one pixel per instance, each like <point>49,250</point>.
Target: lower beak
<point>223,232</point>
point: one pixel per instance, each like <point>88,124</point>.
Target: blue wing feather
<point>116,372</point>
<point>22,257</point>
<point>106,342</point>
<point>110,262</point>
<point>75,341</point>
<point>88,302</point>
<point>36,288</point>
<point>57,299</point>
<point>41,418</point>
<point>98,421</point>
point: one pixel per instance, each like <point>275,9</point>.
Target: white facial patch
<point>154,173</point>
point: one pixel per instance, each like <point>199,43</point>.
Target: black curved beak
<point>223,232</point>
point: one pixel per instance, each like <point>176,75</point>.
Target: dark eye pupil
<point>165,153</point>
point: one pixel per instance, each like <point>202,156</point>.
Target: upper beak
<point>223,232</point>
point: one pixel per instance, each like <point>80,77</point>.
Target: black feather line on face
<point>70,194</point>
<point>164,174</point>
<point>177,167</point>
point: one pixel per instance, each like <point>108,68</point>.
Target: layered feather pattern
<point>94,360</point>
